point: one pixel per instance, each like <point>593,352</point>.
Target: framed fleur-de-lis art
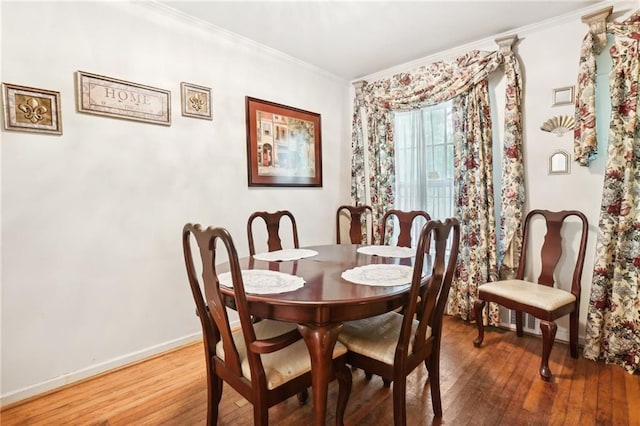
<point>196,101</point>
<point>28,109</point>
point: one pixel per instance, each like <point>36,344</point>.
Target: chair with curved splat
<point>272,221</point>
<point>267,361</point>
<point>540,299</point>
<point>358,216</point>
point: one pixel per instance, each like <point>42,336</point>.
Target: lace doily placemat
<point>262,281</point>
<point>387,251</point>
<point>379,274</point>
<point>285,254</point>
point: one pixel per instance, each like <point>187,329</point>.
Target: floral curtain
<point>513,194</point>
<point>430,85</point>
<point>613,321</point>
<point>474,200</point>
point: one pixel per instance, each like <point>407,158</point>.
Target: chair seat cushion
<point>528,293</point>
<point>376,337</point>
<point>283,365</point>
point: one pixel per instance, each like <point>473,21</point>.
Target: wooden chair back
<point>212,308</point>
<point>428,304</point>
<point>358,218</point>
<point>272,221</point>
<point>406,221</point>
<point>551,250</point>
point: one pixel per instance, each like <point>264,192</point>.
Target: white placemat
<point>262,281</point>
<point>285,254</point>
<point>379,274</point>
<point>387,251</point>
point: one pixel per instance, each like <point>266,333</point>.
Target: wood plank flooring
<point>497,384</point>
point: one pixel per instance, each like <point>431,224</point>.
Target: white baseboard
<point>48,385</point>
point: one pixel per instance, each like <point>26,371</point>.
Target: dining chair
<point>541,299</point>
<point>272,221</point>
<point>265,362</point>
<point>392,345</point>
<point>406,220</point>
<point>358,217</point>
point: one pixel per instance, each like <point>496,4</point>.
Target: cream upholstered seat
<point>392,345</point>
<point>540,299</point>
<point>377,337</point>
<point>283,365</point>
<point>528,293</point>
<point>266,361</point>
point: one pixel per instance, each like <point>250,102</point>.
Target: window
<point>424,160</point>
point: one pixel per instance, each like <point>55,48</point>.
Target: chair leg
<point>573,333</point>
<point>214,395</point>
<point>548,329</point>
<point>303,397</point>
<point>433,367</point>
<point>260,414</point>
<point>399,402</point>
<point>386,383</point>
<point>478,305</point>
<point>519,325</point>
<point>343,375</point>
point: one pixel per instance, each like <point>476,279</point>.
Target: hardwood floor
<point>497,384</point>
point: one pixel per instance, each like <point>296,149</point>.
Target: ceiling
<point>352,39</point>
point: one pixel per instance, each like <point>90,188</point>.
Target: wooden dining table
<point>326,300</point>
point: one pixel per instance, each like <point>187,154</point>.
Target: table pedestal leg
<point>320,340</point>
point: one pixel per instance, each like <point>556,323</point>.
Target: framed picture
<point>27,109</point>
<point>563,96</point>
<point>110,97</point>
<point>196,101</point>
<point>284,146</point>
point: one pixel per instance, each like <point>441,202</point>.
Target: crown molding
<point>487,42</point>
<point>158,7</point>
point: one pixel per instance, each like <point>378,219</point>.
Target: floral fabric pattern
<point>585,145</point>
<point>430,85</point>
<point>513,195</point>
<point>613,319</point>
<point>474,203</point>
<point>358,186</point>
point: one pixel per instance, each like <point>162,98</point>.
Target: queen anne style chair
<point>358,217</point>
<point>266,362</point>
<point>541,299</point>
<point>392,345</point>
<point>272,220</point>
<point>406,221</point>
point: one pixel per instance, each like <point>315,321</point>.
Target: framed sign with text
<point>97,94</point>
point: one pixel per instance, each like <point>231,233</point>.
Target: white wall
<point>92,269</point>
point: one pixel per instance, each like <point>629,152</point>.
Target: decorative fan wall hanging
<point>559,124</point>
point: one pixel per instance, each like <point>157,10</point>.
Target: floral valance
<point>431,84</point>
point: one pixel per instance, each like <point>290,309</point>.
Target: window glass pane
<point>424,160</point>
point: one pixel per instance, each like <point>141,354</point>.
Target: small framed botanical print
<point>27,109</point>
<point>196,101</point>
